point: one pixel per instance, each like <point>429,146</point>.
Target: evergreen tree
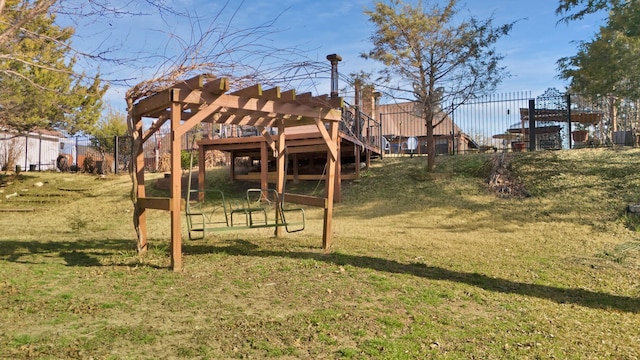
<point>609,64</point>
<point>40,87</point>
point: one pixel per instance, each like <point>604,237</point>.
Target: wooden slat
<point>150,104</point>
<point>254,176</point>
<point>271,94</point>
<point>254,91</point>
<point>175,190</point>
<point>154,127</point>
<point>158,203</point>
<point>195,83</point>
<point>303,114</point>
<point>321,99</point>
<point>306,149</point>
<point>187,97</point>
<point>270,141</point>
<point>217,87</point>
<point>331,145</point>
<point>305,200</point>
<point>336,102</point>
<point>288,96</point>
<point>304,98</point>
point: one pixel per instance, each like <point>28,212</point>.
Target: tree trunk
<point>431,146</point>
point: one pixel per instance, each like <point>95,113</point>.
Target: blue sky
<point>323,27</point>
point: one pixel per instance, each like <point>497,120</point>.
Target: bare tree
<point>432,60</point>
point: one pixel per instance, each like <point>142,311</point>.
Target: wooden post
<point>368,158</point>
<point>330,184</point>
<point>201,172</point>
<point>141,212</point>
<point>264,165</point>
<point>232,166</point>
<point>281,176</point>
<point>176,172</point>
<point>296,171</point>
<point>338,178</point>
<point>357,154</point>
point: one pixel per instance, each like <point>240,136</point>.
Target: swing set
<point>188,103</point>
<point>209,211</point>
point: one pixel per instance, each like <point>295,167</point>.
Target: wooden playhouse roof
<point>213,102</point>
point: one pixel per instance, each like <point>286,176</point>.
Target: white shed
<point>35,151</point>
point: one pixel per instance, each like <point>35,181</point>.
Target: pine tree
<point>41,89</point>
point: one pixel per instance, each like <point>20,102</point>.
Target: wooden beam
<point>201,173</point>
<point>336,102</point>
<point>337,195</point>
<point>217,87</point>
<point>288,96</point>
<point>138,169</point>
<point>272,176</point>
<point>265,107</point>
<point>306,149</point>
<point>271,94</point>
<point>232,166</point>
<point>176,189</point>
<point>249,118</point>
<point>152,103</point>
<point>305,200</point>
<point>320,101</point>
<point>331,143</point>
<point>281,166</point>
<point>154,127</point>
<point>254,91</point>
<point>195,83</point>
<point>264,166</point>
<point>330,188</point>
<point>267,137</point>
<point>197,118</point>
<point>304,98</point>
<point>187,97</point>
<point>157,203</point>
<point>235,104</point>
<point>296,169</point>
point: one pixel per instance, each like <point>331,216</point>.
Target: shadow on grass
<point>81,253</point>
<point>559,295</point>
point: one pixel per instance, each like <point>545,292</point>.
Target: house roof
<point>400,120</point>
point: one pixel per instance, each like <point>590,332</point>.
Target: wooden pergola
<point>191,102</point>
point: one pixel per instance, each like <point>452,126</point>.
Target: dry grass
<point>424,266</point>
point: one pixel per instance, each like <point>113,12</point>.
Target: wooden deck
<point>303,147</point>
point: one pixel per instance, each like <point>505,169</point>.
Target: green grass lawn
<point>424,265</point>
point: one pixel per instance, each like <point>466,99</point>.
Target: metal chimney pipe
<point>334,59</point>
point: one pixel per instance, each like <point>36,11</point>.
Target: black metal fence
<point>492,123</point>
<point>512,122</point>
